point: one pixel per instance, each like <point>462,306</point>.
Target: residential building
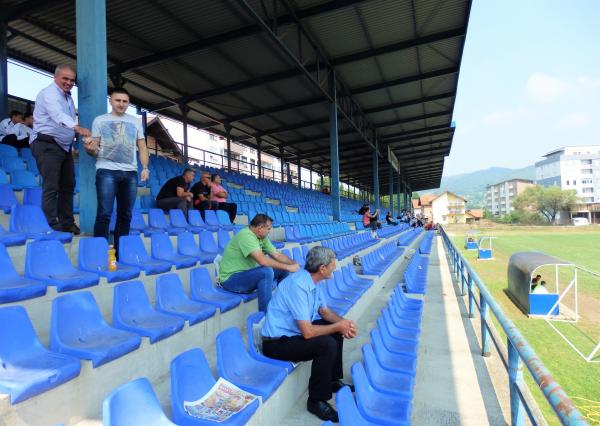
<point>572,167</point>
<point>449,208</point>
<point>474,215</point>
<point>422,206</point>
<point>499,197</point>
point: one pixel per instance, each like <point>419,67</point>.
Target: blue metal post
<point>404,194</point>
<point>334,177</point>
<point>398,195</point>
<point>228,135</point>
<point>391,190</point>
<point>259,157</point>
<point>299,174</point>
<point>375,178</point>
<point>471,297</point>
<point>90,26</point>
<point>463,281</point>
<point>515,377</point>
<point>3,72</point>
<point>184,112</point>
<point>485,334</point>
<point>281,163</point>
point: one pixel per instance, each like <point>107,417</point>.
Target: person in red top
<point>370,220</point>
<point>219,194</point>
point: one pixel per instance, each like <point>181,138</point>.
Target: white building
<point>499,197</point>
<point>572,167</point>
<point>448,208</point>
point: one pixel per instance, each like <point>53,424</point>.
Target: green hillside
<point>472,185</point>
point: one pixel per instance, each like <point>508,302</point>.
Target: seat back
<point>223,218</point>
<point>200,282</point>
<point>132,250</point>
<point>93,254</point>
<point>191,378</point>
<point>161,247</point>
<point>73,315</point>
<point>7,196</point>
<point>8,151</point>
<point>255,323</point>
<point>17,336</point>
<point>3,175</point>
<point>33,196</point>
<point>207,242</point>
<point>223,237</point>
<point>130,301</point>
<point>157,219</point>
<point>297,256</point>
<point>6,266</point>
<point>138,223</point>
<point>169,290</point>
<point>28,219</point>
<point>186,244</point>
<point>231,351</point>
<point>178,219</point>
<point>133,403</point>
<point>24,179</point>
<point>46,257</point>
<point>195,219</point>
<point>346,407</point>
<point>210,217</point>
<point>12,163</point>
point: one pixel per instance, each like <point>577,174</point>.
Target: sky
<point>529,82</point>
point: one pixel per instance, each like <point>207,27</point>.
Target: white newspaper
<point>220,403</point>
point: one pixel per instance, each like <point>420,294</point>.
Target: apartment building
<point>499,197</point>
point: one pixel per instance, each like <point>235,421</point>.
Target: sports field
<point>581,380</point>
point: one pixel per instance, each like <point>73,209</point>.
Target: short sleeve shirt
<point>118,137</point>
<point>215,190</point>
<point>297,298</point>
<point>169,189</point>
<point>236,257</point>
<point>200,189</point>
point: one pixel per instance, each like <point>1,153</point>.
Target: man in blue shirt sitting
<point>299,327</point>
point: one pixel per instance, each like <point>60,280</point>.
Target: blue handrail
<point>519,349</point>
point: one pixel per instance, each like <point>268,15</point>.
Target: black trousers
<point>325,353</point>
<point>57,168</point>
<point>231,209</point>
<point>13,141</point>
<point>174,203</point>
<point>206,205</point>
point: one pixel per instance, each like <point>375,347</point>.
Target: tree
<point>547,201</point>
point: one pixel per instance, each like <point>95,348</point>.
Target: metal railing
<point>519,350</point>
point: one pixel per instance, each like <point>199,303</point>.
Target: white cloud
<point>575,119</point>
<point>498,117</point>
<point>545,88</point>
<point>589,82</point>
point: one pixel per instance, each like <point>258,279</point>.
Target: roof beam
<point>28,7</point>
<point>275,109</point>
<point>420,130</point>
<point>407,146</point>
<point>405,80</point>
<point>410,102</point>
<point>414,118</point>
<point>418,136</point>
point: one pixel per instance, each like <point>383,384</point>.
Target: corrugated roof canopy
<point>262,67</point>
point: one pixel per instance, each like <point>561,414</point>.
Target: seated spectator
<point>535,281</point>
<point>363,209</point>
<point>201,191</point>
<point>370,220</point>
<point>219,195</point>
<point>251,262</point>
<point>175,193</point>
<point>299,327</point>
<point>25,130</point>
<point>541,288</point>
<point>11,133</point>
<point>390,219</point>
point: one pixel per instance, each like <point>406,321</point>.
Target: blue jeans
<point>110,184</point>
<point>260,277</point>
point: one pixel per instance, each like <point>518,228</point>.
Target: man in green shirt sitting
<point>250,261</point>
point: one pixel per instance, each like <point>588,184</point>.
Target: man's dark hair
<point>188,170</point>
<point>213,177</point>
<point>260,219</point>
<point>120,90</point>
<point>14,113</point>
<point>27,115</point>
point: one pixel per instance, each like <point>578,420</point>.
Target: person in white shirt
<point>541,288</point>
<point>10,130</point>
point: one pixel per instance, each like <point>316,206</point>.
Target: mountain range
<point>472,185</point>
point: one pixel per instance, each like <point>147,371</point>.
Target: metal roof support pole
<point>228,135</point>
<point>3,71</point>
<point>391,191</point>
<point>399,194</point>
<point>259,157</point>
<point>404,196</point>
<point>334,176</point>
<point>184,114</point>
<point>410,199</point>
<point>281,162</point>
<point>322,179</point>
<point>90,26</point>
<point>376,199</point>
<point>299,174</point>
<point>310,172</point>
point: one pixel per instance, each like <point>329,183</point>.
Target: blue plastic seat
<point>3,176</point>
<point>132,252</point>
<point>28,368</point>
<point>377,407</point>
<point>77,328</point>
<point>93,257</point>
<point>171,299</point>
<point>195,220</point>
<point>22,179</point>
<point>191,379</point>
<point>187,246</point>
<point>158,222</point>
<point>391,361</point>
<point>33,196</point>
<point>202,290</point>
<point>255,323</point>
<point>392,344</point>
<point>223,239</point>
<point>208,245</point>
<point>7,198</point>
<point>211,220</point>
<point>11,238</point>
<point>133,312</point>
<point>13,287</point>
<point>11,164</point>
<point>178,220</point>
<point>138,223</point>
<point>134,403</point>
<point>223,219</point>
<point>384,380</point>
<point>236,365</point>
<point>30,221</point>
<point>162,249</point>
<point>347,410</point>
<point>298,256</point>
<point>47,261</point>
<point>8,151</point>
